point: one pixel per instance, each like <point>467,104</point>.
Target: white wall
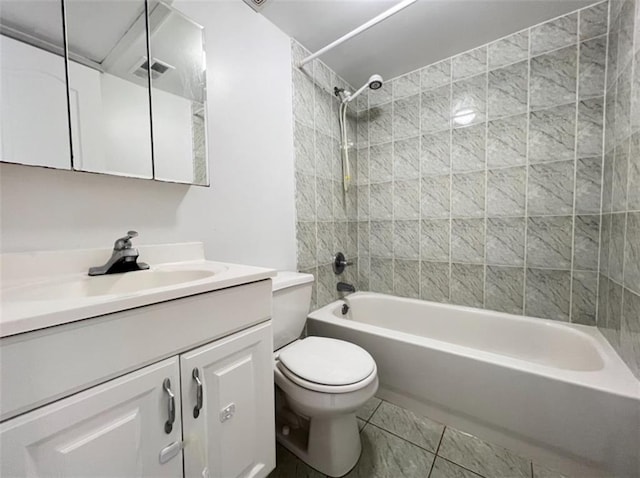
<point>247,215</point>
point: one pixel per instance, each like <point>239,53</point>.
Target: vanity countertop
<point>45,289</point>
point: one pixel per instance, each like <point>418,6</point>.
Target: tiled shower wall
<point>479,177</point>
<point>619,294</point>
<point>326,215</point>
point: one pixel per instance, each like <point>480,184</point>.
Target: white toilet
<point>320,383</point>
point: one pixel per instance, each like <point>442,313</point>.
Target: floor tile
<point>481,457</point>
<point>290,466</point>
<point>361,423</point>
<point>406,424</point>
<point>366,410</point>
<point>445,469</point>
<point>386,456</point>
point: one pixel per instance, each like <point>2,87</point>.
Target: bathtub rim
<point>615,377</point>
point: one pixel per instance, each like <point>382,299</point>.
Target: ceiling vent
<point>158,68</point>
<point>257,5</point>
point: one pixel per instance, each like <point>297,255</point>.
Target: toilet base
<point>331,444</point>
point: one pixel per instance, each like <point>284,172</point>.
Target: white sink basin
<point>106,285</point>
<point>49,288</point>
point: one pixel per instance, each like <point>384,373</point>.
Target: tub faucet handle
<point>340,262</point>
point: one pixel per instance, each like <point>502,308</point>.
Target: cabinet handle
<point>168,426</point>
<point>198,407</point>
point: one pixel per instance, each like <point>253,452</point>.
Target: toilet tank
<point>290,306</point>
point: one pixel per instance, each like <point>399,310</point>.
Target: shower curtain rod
<point>365,26</point>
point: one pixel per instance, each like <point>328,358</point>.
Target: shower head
<point>375,82</point>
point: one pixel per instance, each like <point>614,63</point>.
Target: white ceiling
<point>423,33</point>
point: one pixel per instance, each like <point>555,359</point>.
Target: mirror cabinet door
<point>34,120</point>
<point>178,96</point>
<point>109,86</point>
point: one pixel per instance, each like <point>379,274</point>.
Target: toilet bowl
<point>320,383</point>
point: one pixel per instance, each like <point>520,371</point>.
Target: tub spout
<point>344,287</point>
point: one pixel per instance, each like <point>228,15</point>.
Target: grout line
<point>433,464</point>
<point>575,174</point>
<point>486,185</point>
<point>450,154</point>
<point>527,165</point>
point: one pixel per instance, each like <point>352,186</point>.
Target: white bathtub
<point>557,392</point>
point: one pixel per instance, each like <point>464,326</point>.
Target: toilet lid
<point>327,361</point>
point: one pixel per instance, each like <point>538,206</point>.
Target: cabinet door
<point>116,429</point>
<point>232,435</point>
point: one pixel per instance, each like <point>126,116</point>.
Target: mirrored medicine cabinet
<point>105,86</point>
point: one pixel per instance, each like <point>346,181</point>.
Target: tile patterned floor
<point>396,443</point>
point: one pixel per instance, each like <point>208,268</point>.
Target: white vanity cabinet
<point>236,405</point>
<point>116,429</point>
<point>114,395</point>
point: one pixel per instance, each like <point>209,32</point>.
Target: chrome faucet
<point>123,259</point>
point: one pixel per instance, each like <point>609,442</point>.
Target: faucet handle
<point>124,242</point>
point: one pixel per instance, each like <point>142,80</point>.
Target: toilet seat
<point>327,365</point>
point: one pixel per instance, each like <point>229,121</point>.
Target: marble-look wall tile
<point>508,50</point>
<point>406,278</point>
<point>362,158</point>
<point>470,63</point>
<point>326,244</point>
<point>592,67</point>
<point>324,157</point>
<point>323,116</point>
<point>434,281</point>
<point>406,117</point>
<point>593,21</point>
<point>406,159</point>
<point>547,294</point>
<point>434,240</point>
<point>381,201</point>
<point>507,141</point>
<point>553,78</point>
<point>506,192</point>
<point>467,284</point>
<point>590,124</point>
<point>468,147</point>
<point>552,134</point>
<point>586,242</point>
<point>620,177</point>
<point>306,242</point>
<point>470,94</point>
<point>435,75</point>
<point>434,111</point>
<point>326,285</point>
<point>554,34</point>
<point>435,154</point>
<point>504,289</point>
<point>549,242</point>
<point>380,123</point>
<point>304,149</point>
<point>588,185</point>
<point>406,239</point>
<point>381,239</point>
<point>550,189</point>
<point>303,98</point>
<point>467,240</point>
<point>305,197</point>
<point>505,241</point>
<point>406,199</point>
<point>468,194</point>
<point>630,331</point>
<point>633,193</point>
<point>508,89</point>
<point>381,276</point>
<point>406,85</point>
<point>362,193</point>
<point>324,199</point>
<point>435,197</point>
<point>583,297</point>
<point>381,162</point>
<point>632,252</point>
<point>380,96</point>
